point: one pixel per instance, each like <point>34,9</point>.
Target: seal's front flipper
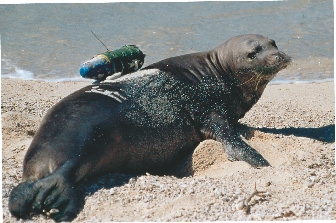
<point>218,128</point>
<point>237,149</point>
<point>53,195</point>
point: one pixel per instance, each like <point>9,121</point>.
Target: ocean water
<point>50,41</point>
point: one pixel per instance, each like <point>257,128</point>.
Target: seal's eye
<point>251,55</point>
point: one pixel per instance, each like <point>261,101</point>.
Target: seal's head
<point>251,60</point>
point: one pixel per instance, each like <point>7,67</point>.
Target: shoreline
<point>89,81</point>
<point>292,126</point>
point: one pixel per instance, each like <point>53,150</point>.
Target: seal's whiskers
<point>249,80</point>
<point>258,80</point>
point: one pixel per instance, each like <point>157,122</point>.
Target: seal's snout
<point>282,60</point>
<point>277,60</point>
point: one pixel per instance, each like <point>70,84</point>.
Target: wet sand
<point>292,125</point>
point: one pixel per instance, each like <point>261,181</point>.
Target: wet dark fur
<point>151,123</point>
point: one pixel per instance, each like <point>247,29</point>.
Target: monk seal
<point>145,122</point>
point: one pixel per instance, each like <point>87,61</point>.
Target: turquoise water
<point>51,41</point>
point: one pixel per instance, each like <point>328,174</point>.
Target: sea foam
<point>11,70</point>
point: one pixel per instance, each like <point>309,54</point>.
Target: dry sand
<point>293,126</point>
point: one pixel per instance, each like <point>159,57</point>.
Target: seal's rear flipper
<point>21,199</point>
<point>53,195</point>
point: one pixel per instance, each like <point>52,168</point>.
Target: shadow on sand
<point>324,134</point>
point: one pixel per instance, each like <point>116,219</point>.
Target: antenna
<point>100,40</point>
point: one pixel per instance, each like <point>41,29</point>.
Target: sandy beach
<point>292,126</point>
